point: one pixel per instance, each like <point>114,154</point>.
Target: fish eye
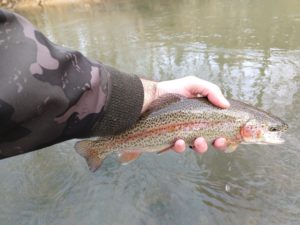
<point>273,129</point>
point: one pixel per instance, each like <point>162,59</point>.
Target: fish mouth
<point>273,138</point>
<point>274,141</point>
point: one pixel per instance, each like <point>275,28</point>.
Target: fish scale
<point>174,117</point>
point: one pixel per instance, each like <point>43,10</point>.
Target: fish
<point>172,117</point>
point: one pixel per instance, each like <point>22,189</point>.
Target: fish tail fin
<point>92,154</point>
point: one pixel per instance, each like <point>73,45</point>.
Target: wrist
<point>150,93</point>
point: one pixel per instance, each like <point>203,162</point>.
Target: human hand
<point>190,87</point>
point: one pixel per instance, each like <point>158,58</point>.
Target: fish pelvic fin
<point>126,157</point>
<point>166,149</point>
<point>92,155</point>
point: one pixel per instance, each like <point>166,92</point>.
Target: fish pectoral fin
<point>91,155</point>
<point>231,147</point>
<point>126,157</point>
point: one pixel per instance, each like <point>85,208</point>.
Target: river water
<point>250,48</point>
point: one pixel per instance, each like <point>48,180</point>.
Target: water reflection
<point>233,43</point>
<point>249,48</point>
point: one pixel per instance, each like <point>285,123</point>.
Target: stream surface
<point>250,48</point>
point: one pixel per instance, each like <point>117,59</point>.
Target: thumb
<point>218,99</point>
<point>211,91</point>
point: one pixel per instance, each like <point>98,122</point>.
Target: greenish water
<point>250,48</point>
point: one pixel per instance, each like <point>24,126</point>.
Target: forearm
<point>49,94</point>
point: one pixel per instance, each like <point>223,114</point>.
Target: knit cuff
<point>124,103</point>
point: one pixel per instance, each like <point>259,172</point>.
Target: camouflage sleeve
<point>49,94</point>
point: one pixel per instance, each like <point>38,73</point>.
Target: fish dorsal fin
<point>87,150</point>
<point>126,157</point>
<point>163,101</point>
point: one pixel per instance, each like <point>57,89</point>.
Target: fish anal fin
<point>93,157</point>
<point>126,157</point>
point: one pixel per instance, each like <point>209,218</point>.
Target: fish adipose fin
<point>93,158</point>
<point>126,157</point>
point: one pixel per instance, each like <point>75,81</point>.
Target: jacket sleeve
<point>49,94</point>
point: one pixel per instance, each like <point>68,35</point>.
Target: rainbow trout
<point>173,117</point>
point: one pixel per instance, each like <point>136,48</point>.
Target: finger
<point>211,91</point>
<point>179,146</point>
<point>200,145</point>
<point>217,98</point>
<point>220,144</point>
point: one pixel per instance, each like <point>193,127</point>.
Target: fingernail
<point>226,102</point>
